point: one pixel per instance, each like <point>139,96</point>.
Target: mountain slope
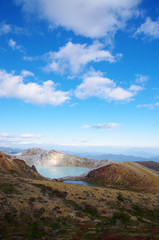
<point>17,167</point>
<point>150,164</point>
<point>40,157</point>
<point>125,176</point>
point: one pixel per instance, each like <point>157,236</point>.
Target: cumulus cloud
<point>89,18</point>
<point>149,28</point>
<point>95,85</point>
<point>13,86</point>
<point>74,56</point>
<point>151,105</point>
<point>108,126</point>
<point>28,135</point>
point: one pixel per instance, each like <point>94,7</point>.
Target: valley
<point>126,206</point>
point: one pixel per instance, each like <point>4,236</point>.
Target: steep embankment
<point>125,176</point>
<point>17,167</point>
<point>39,157</point>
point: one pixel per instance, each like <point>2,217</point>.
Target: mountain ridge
<point>40,157</point>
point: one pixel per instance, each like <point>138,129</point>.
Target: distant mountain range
<point>96,156</point>
<point>117,157</point>
<point>11,150</point>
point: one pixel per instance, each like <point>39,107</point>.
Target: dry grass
<point>37,204</point>
<point>125,175</point>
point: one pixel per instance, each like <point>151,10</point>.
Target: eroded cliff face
<point>40,157</point>
<point>54,158</point>
<point>124,175</point>
<point>33,156</point>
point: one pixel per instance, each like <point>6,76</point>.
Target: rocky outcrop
<point>124,176</point>
<point>33,156</point>
<point>40,157</point>
<point>17,167</point>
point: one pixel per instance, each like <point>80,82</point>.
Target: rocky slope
<point>125,176</point>
<point>39,157</point>
<point>33,156</point>
<point>17,167</point>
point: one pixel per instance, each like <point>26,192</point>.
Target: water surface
<point>60,172</point>
<point>81,183</point>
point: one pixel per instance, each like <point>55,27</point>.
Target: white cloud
<point>10,139</point>
<point>26,73</point>
<point>135,88</point>
<point>95,85</point>
<point>108,126</point>
<point>14,45</point>
<point>75,56</point>
<point>6,135</point>
<point>13,86</point>
<point>141,78</point>
<point>151,105</point>
<point>16,142</point>
<point>85,141</point>
<point>31,136</point>
<point>149,28</point>
<point>90,18</point>
<point>8,28</point>
<point>5,28</point>
<point>30,59</point>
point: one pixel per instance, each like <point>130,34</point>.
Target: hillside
<point>17,167</point>
<point>35,209</point>
<point>124,176</point>
<point>32,207</point>
<point>150,164</point>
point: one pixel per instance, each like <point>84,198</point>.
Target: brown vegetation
<point>17,167</point>
<point>125,176</point>
<point>32,207</point>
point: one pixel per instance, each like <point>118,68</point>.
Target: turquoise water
<point>60,172</point>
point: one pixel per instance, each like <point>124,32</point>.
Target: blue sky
<point>79,73</point>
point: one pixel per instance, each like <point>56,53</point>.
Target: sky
<point>79,73</point>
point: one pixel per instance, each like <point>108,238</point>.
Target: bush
<point>120,197</point>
